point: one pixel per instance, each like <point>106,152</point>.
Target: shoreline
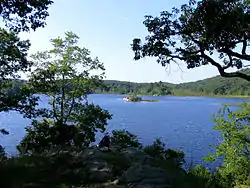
<point>210,96</point>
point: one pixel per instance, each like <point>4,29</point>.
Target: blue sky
<point>107,28</point>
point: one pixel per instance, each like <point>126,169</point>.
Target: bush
<point>46,170</point>
<point>235,145</point>
<point>199,176</point>
<point>157,150</point>
<point>2,154</point>
<point>123,139</point>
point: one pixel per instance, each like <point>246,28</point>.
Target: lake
<point>181,122</point>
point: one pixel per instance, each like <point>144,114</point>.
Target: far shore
<point>211,96</point>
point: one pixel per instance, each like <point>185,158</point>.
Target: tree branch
<point>244,47</point>
<point>54,109</point>
<point>235,54</point>
<point>70,110</point>
<point>222,70</point>
<point>229,64</point>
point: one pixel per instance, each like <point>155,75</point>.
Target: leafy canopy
<point>214,32</point>
<point>23,15</point>
<point>65,75</point>
<point>235,145</point>
<point>18,16</point>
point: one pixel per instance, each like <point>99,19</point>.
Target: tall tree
<point>215,32</point>
<point>66,74</point>
<point>18,16</point>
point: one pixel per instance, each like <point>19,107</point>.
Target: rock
<point>136,156</point>
<point>96,167</point>
<point>144,176</point>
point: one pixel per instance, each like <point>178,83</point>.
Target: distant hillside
<point>212,86</point>
<point>208,87</point>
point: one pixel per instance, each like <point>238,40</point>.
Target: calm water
<point>181,122</point>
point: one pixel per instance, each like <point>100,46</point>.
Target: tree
<point>65,75</point>
<point>235,145</point>
<point>18,16</point>
<point>197,33</point>
<point>13,56</point>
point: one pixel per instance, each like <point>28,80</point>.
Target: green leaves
<point>122,139</point>
<point>235,145</point>
<point>195,32</point>
<point>13,53</point>
<point>65,75</point>
<point>18,16</point>
<point>157,150</point>
<point>24,15</point>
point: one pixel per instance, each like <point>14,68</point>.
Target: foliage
<point>134,98</point>
<point>197,32</point>
<point>113,86</point>
<point>65,75</point>
<point>123,139</point>
<point>235,145</point>
<point>69,166</point>
<point>48,170</point>
<point>200,176</point>
<point>24,15</point>
<point>18,16</point>
<point>118,162</point>
<point>157,150</point>
<point>215,86</point>
<point>13,53</point>
<point>2,152</point>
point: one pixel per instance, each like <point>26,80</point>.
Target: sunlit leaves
<point>66,74</point>
<point>235,145</point>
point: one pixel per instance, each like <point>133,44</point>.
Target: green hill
<point>211,86</point>
<point>215,86</point>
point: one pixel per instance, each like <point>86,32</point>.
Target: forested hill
<point>212,86</point>
<point>208,87</point>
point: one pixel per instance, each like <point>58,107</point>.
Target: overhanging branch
<point>235,54</point>
<point>222,70</point>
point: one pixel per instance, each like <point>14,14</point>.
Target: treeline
<point>211,86</point>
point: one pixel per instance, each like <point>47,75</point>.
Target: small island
<point>135,98</point>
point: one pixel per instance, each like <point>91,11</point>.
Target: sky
<point>107,28</point>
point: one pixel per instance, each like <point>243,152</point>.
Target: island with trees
<point>135,98</point>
